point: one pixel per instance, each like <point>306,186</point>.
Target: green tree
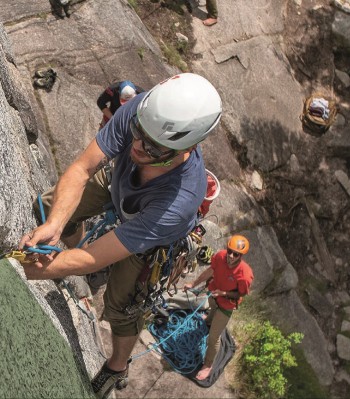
<point>265,357</point>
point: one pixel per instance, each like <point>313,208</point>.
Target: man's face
<point>144,150</point>
<point>233,258</point>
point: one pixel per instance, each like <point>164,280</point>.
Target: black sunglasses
<point>231,252</point>
<point>148,146</point>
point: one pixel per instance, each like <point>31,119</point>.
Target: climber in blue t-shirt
<point>158,184</point>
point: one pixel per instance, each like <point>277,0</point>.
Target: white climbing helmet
<point>180,111</point>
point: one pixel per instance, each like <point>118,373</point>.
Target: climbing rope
<point>97,230</point>
<point>185,349</point>
<point>188,357</point>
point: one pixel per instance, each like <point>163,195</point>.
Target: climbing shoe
<point>44,83</point>
<point>205,254</point>
<point>45,78</point>
<point>106,379</point>
<point>44,73</point>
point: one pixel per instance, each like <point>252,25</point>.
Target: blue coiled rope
<point>185,349</point>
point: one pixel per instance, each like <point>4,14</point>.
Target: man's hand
<point>99,254</point>
<point>107,113</point>
<point>217,293</point>
<point>187,286</point>
<point>46,233</point>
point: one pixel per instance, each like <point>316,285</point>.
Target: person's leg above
<point>212,16</point>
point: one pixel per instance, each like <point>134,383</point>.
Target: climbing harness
<point>165,266</point>
<point>149,287</point>
<point>319,112</point>
<point>162,271</point>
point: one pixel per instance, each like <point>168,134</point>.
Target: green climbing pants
<point>212,8</point>
<point>218,320</point>
<point>120,288</point>
<point>95,196</point>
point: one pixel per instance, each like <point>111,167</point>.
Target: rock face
<point>341,31</point>
<point>299,319</point>
<point>23,170</point>
<point>43,131</point>
<point>98,44</point>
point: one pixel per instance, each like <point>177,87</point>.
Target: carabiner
<point>20,256</point>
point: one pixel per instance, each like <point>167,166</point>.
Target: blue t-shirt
<point>164,209</point>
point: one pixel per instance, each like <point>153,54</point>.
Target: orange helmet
<point>238,244</point>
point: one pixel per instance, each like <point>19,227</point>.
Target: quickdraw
<point>20,256</point>
<point>147,296</point>
<point>162,272</point>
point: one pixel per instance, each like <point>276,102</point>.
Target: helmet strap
<point>166,162</point>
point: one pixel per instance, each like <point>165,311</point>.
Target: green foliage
<point>346,333</point>
<point>141,53</point>
<point>173,57</point>
<point>133,4</point>
<point>247,323</point>
<point>346,365</point>
<point>264,359</point>
<point>182,46</point>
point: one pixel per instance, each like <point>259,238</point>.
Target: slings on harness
<point>162,272</point>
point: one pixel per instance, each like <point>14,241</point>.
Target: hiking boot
<point>106,379</point>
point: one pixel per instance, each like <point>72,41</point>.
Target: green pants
<point>95,196</point>
<point>212,8</point>
<point>218,320</point>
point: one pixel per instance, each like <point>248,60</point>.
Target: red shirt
<point>228,279</point>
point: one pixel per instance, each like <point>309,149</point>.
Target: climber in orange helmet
<point>230,279</point>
